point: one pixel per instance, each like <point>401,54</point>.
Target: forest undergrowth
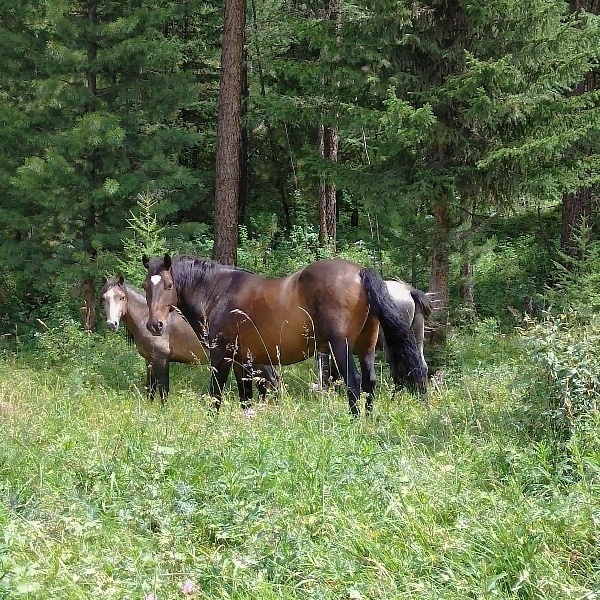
<point>472,492</point>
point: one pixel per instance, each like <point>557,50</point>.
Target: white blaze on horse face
<point>155,279</point>
<point>113,306</point>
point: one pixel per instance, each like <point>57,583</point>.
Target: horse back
<point>289,318</point>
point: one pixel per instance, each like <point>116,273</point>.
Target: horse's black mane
<point>188,269</point>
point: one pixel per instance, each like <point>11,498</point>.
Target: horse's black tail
<point>423,300</point>
<point>403,354</point>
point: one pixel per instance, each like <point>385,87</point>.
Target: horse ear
<point>121,279</point>
<point>167,262</point>
<point>145,260</point>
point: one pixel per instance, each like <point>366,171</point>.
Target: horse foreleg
<point>161,370</point>
<point>342,355</point>
<point>150,381</point>
<point>243,377</point>
<point>220,367</point>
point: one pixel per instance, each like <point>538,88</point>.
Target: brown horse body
<point>179,344</point>
<point>330,305</point>
<point>413,305</point>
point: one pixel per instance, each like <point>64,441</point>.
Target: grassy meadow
<point>468,494</point>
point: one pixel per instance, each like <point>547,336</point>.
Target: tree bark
<point>440,269</point>
<point>244,148</point>
<point>229,133</point>
<point>88,307</point>
<point>328,149</point>
<point>467,289</point>
<point>89,304</point>
<point>577,206</point>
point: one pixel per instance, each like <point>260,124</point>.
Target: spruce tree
<point>105,104</point>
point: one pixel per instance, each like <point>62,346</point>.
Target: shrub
<point>566,349</point>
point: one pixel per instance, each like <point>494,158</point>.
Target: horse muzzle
<point>155,328</point>
<point>112,325</point>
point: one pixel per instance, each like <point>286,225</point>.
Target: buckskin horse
<point>178,344</point>
<point>330,305</point>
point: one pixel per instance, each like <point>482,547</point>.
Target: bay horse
<point>179,343</point>
<point>413,305</point>
<point>331,305</point>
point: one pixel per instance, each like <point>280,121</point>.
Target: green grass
<point>104,495</point>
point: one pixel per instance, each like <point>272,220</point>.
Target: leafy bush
<point>566,345</point>
<point>566,348</point>
<point>506,275</point>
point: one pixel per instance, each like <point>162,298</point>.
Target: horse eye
<point>169,286</point>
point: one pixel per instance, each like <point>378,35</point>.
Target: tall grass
<point>464,495</point>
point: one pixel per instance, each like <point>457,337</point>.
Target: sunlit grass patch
<point>455,495</point>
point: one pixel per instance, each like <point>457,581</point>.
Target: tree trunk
<point>244,149</point>
<point>440,270</point>
<point>328,149</point>
<point>89,304</point>
<point>229,133</point>
<point>467,290</point>
<point>577,206</point>
<point>88,307</point>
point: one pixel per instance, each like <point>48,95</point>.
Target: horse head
<point>161,293</point>
<point>114,300</point>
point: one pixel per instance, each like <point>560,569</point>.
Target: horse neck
<point>206,288</point>
<point>136,315</point>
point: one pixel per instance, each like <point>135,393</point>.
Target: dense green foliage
<point>468,103</point>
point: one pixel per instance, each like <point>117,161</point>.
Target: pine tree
<point>229,139</point>
<point>106,103</point>
<point>445,105</point>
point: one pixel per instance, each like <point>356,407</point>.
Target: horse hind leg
<point>266,379</point>
<point>418,328</point>
<point>342,355</point>
<point>324,372</point>
<point>369,378</point>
